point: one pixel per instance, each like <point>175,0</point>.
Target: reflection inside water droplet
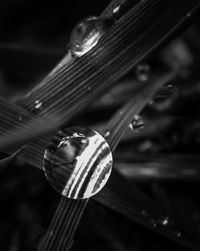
<point>78,162</point>
<point>87,33</point>
<point>137,123</point>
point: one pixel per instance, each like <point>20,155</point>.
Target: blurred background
<point>159,153</point>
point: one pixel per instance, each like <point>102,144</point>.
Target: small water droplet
<point>143,72</point>
<point>151,102</point>
<point>189,14</point>
<point>116,9</point>
<point>137,123</point>
<point>38,104</point>
<point>87,33</point>
<point>178,234</point>
<point>122,7</point>
<point>165,221</point>
<point>107,134</point>
<point>78,162</point>
<point>153,223</point>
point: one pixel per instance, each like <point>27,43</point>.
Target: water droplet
<point>164,98</point>
<point>137,123</point>
<point>107,134</point>
<point>38,104</point>
<point>165,221</point>
<point>84,141</point>
<point>116,9</point>
<point>178,234</point>
<point>78,162</point>
<point>143,72</point>
<point>153,223</point>
<point>87,33</point>
<point>120,9</point>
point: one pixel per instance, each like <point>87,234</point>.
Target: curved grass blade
<point>66,226</point>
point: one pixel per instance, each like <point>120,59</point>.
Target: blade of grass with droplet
<point>138,45</point>
<point>142,99</point>
<point>120,198</point>
<point>146,100</point>
<point>116,127</point>
<point>118,124</point>
<point>40,125</point>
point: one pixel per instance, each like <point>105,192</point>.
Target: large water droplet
<point>137,123</point>
<point>87,33</point>
<point>78,162</point>
<point>143,72</point>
